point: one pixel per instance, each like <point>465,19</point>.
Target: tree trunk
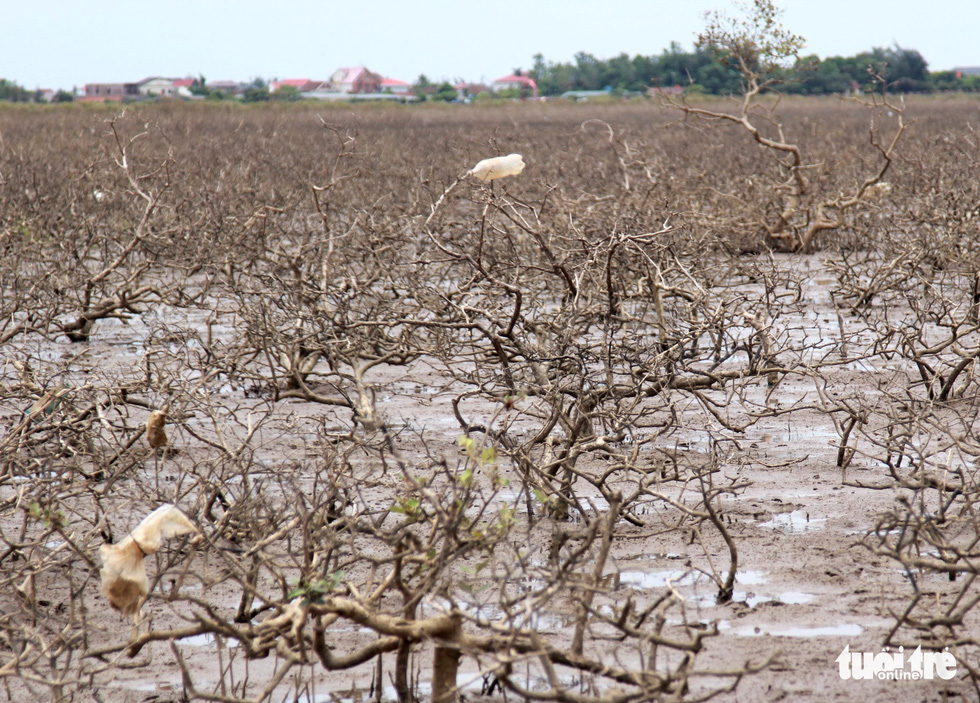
<point>402,658</point>
<point>445,666</point>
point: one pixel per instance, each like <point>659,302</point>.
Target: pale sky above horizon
<point>67,43</point>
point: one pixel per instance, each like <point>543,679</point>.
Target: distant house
<point>961,71</point>
<point>148,87</point>
<point>157,85</point>
<point>521,83</point>
<point>300,84</point>
<point>226,87</point>
<point>110,91</point>
<point>395,86</point>
<point>183,86</point>
<point>354,80</point>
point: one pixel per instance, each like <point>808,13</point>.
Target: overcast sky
<point>66,43</point>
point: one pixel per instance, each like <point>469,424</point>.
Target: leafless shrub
<point>419,421</point>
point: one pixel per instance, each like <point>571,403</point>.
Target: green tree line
<point>11,92</point>
<point>705,70</point>
<point>700,70</point>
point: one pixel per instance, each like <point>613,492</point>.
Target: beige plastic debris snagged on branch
<point>124,580</point>
<point>156,435</point>
<point>497,167</point>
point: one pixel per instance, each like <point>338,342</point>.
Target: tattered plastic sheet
<point>124,580</point>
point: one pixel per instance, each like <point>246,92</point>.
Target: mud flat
<point>556,438</point>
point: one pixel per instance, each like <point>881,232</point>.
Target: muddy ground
<point>621,299</point>
<point>806,587</point>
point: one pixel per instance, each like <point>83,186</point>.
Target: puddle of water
<point>658,579</point>
<point>871,532</point>
<point>151,686</point>
<point>679,577</point>
<point>782,436</point>
<point>845,630</point>
<point>654,556</point>
<point>752,599</point>
<point>795,598</point>
<point>205,640</point>
<point>795,522</point>
<point>142,687</point>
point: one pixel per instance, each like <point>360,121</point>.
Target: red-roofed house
<point>230,87</point>
<point>395,86</point>
<point>356,79</point>
<point>183,86</point>
<point>522,83</point>
<point>298,83</point>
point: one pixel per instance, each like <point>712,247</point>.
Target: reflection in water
<point>797,521</point>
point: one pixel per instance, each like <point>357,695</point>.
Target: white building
<point>157,85</point>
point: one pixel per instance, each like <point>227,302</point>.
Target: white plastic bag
<point>497,167</point>
<point>124,581</point>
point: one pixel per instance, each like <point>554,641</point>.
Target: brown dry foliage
<point>598,331</point>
